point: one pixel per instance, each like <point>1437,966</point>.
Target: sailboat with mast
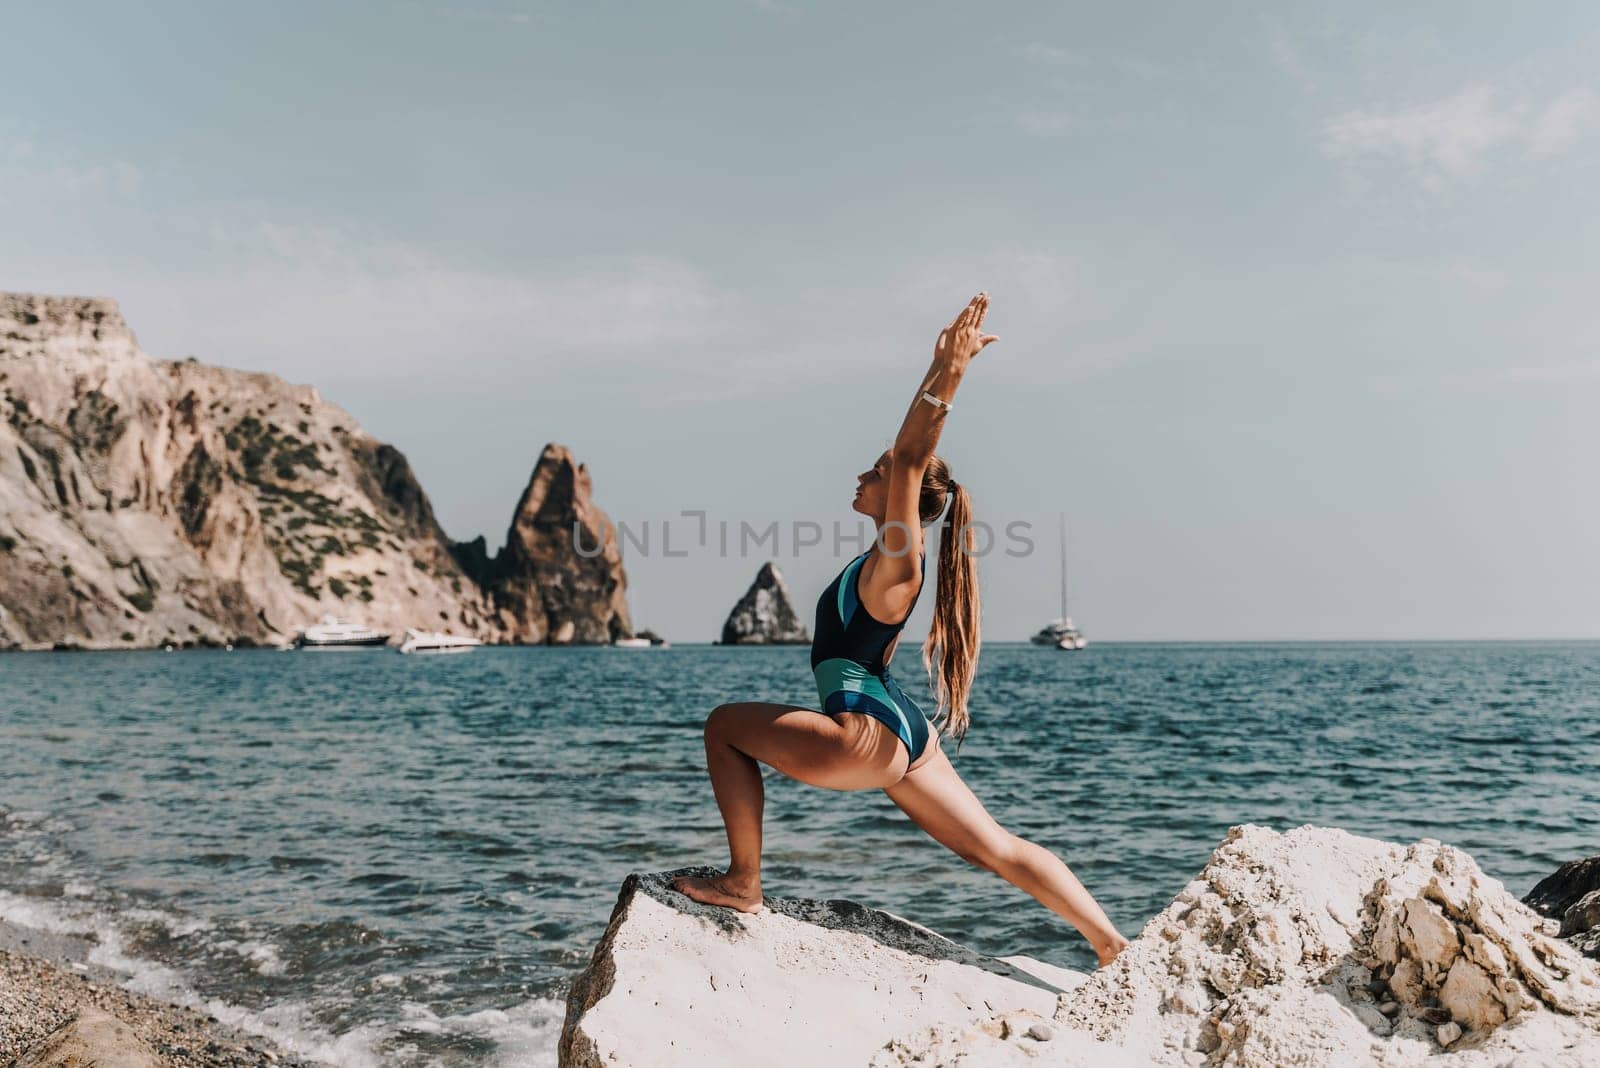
<point>1060,632</point>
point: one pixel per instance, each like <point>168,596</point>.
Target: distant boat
<point>645,639</point>
<point>429,641</point>
<point>333,634</point>
<point>1060,632</point>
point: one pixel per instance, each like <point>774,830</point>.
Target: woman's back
<point>845,629</point>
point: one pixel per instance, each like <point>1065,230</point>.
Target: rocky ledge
<point>1312,947</point>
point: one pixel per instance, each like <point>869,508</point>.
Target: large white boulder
<point>802,982</point>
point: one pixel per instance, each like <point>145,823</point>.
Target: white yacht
<point>333,634</point>
<point>1060,632</point>
<point>644,639</point>
<point>428,641</point>
<point>1073,639</point>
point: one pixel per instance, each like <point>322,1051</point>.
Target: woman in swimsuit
<point>869,734</point>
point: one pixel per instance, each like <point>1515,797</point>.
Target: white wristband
<point>935,401</point>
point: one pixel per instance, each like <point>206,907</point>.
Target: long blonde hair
<point>950,652</point>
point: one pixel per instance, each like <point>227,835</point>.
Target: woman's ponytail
<point>950,653</point>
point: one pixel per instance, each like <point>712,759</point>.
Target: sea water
<point>377,859</point>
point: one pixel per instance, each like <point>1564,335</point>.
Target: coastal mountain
<point>146,502</point>
<point>765,615</point>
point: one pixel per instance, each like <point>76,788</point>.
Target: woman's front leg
<point>736,782</point>
<point>846,752</point>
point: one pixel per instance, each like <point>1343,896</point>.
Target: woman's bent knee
<point>721,719</point>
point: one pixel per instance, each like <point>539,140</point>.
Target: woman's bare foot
<point>721,890</point>
<point>1107,954</point>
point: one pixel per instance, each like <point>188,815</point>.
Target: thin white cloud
<point>1564,122</point>
<point>1288,56</point>
<point>384,306</point>
<point>1072,77</point>
<point>1451,137</point>
<point>27,174</point>
<point>1462,135</point>
<point>1047,53</point>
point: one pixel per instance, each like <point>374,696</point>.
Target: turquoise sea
<point>393,860</point>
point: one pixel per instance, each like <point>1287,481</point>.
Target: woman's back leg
<point>941,804</point>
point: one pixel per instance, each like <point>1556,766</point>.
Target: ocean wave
<point>525,1033</point>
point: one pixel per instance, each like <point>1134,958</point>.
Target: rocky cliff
<point>145,502</point>
<point>559,577</point>
<point>1313,948</point>
<point>765,615</point>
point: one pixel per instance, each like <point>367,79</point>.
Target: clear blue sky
<point>1296,303</point>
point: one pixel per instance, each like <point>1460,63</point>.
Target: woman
<point>869,734</point>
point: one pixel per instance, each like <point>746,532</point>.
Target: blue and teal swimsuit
<point>847,660</point>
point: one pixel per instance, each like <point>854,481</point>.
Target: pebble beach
<point>47,982</point>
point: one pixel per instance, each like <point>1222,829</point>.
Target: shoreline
<point>47,981</point>
<point>1121,643</point>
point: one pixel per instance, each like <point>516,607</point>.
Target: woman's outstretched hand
<point>964,337</point>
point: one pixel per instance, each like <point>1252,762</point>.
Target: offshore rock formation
<point>1311,948</point>
<point>1571,897</point>
<point>145,502</point>
<point>765,615</point>
<point>559,577</point>
<point>803,982</point>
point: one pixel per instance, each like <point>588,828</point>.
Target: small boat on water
<point>428,641</point>
<point>331,633</point>
<point>645,639</point>
<point>1060,632</point>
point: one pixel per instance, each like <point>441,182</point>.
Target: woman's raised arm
<point>919,435</point>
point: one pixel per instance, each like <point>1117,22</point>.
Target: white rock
<point>1374,1020</point>
<point>1264,934</point>
<point>800,983</point>
<point>822,984</point>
